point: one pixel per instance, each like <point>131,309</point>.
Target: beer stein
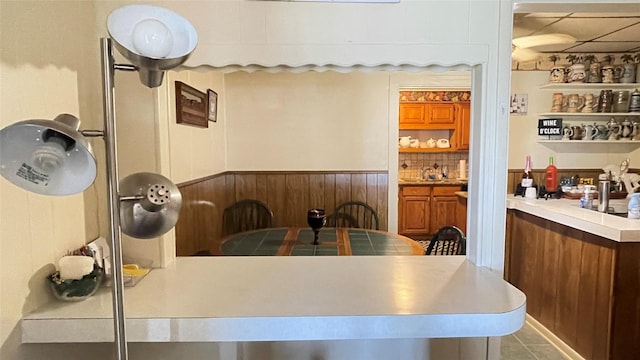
<point>575,103</point>
<point>611,73</point>
<point>558,102</point>
<point>557,74</point>
<point>576,73</point>
<point>577,133</point>
<point>590,132</point>
<point>634,103</point>
<point>605,101</point>
<point>628,73</point>
<point>567,133</point>
<point>590,103</point>
<point>621,102</point>
<point>594,74</point>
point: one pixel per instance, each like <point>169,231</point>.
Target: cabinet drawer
<point>445,190</point>
<point>416,190</point>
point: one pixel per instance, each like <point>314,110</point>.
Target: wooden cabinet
<point>581,287</point>
<point>463,125</point>
<point>461,213</point>
<point>423,209</point>
<point>443,207</point>
<point>439,115</point>
<point>414,210</point>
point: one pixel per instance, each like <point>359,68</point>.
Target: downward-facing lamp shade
<point>153,38</point>
<point>48,157</point>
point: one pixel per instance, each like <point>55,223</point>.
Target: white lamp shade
<point>47,157</point>
<point>153,38</point>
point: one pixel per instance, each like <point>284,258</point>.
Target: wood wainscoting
<point>288,194</point>
<point>583,288</point>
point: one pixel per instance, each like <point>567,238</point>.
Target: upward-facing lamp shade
<point>48,157</point>
<point>153,38</point>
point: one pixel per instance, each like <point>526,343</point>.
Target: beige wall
<point>47,66</point>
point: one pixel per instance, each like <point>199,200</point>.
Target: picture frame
<point>191,105</point>
<point>212,107</point>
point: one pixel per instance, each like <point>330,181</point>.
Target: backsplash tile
<point>417,161</point>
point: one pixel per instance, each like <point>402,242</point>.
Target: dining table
<point>297,241</point>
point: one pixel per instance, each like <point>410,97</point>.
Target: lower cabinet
<point>423,209</point>
<point>583,288</point>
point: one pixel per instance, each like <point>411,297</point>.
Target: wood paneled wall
<point>582,287</point>
<point>288,194</point>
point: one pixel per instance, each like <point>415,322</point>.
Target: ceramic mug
<point>628,73</point>
<point>567,133</point>
<point>576,73</point>
<point>575,103</point>
<point>611,73</point>
<point>590,103</point>
<point>557,74</point>
<point>594,74</point>
<point>558,102</point>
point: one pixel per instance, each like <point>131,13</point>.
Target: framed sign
<point>191,106</point>
<point>212,111</point>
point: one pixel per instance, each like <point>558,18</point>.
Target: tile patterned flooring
<point>527,344</point>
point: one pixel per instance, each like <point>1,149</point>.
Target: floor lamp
<point>53,157</point>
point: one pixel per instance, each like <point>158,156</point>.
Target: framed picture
<point>213,105</point>
<point>191,106</point>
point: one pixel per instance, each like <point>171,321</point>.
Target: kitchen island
<point>279,299</point>
<point>580,270</point>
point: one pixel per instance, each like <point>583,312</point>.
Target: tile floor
<point>527,344</point>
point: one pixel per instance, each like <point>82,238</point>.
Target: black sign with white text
<point>549,127</point>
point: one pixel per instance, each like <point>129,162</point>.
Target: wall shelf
<point>591,146</point>
<point>588,86</point>
<point>428,150</point>
<point>593,114</point>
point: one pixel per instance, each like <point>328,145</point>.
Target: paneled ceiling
<point>617,32</point>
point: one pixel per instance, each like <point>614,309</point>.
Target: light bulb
<point>152,38</point>
<point>48,157</point>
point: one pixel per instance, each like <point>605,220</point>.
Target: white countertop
<point>211,299</point>
<point>568,212</point>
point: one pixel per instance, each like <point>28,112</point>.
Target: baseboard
<point>565,349</point>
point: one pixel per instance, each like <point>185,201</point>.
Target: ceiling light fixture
<point>522,46</point>
<point>53,157</point>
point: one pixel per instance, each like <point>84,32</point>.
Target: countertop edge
<point>486,306</point>
<point>568,212</point>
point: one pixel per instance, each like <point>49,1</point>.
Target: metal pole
<point>108,69</point>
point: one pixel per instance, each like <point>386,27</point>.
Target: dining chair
<point>448,240</point>
<point>354,214</point>
<point>245,215</point>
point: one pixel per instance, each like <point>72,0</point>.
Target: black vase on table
<point>316,219</point>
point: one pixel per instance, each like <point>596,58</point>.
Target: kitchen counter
<point>402,182</point>
<point>207,299</point>
<point>568,212</point>
<point>462,194</point>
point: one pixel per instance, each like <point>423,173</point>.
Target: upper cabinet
<point>440,115</point>
<point>463,128</point>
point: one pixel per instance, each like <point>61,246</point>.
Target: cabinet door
<point>441,116</point>
<point>443,211</point>
<point>463,125</point>
<point>414,207</point>
<point>461,214</point>
<point>412,115</point>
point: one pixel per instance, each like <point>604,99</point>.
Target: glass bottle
<point>551,177</point>
<point>527,178</point>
